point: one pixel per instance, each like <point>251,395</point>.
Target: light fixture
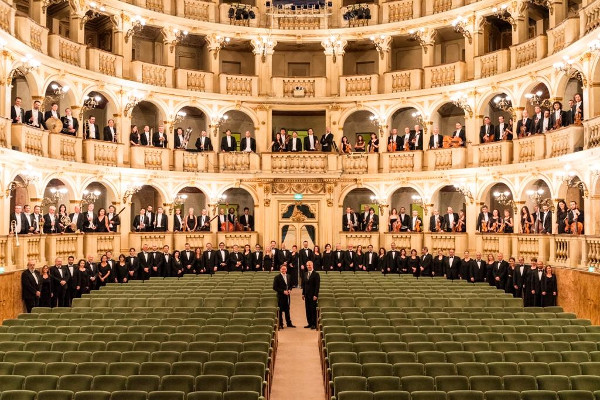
<point>504,14</point>
<point>334,46</point>
<point>216,200</point>
<point>177,201</point>
<point>58,93</point>
<point>216,42</point>
<point>504,199</point>
<point>55,196</point>
<point>357,15</point>
<point>504,103</point>
<point>422,37</point>
<point>535,195</point>
<point>175,37</point>
<point>566,66</point>
<point>130,190</point>
<point>380,203</point>
<point>594,45</point>
<point>461,100</point>
<point>28,176</point>
<point>133,99</point>
<point>379,122</point>
<point>263,46</point>
<point>94,12</point>
<point>460,26</point>
<point>535,99</point>
<point>89,103</point>
<point>216,121</point>
<point>137,24</point>
<point>27,64</point>
<point>90,196</point>
<point>382,44</point>
<point>570,178</point>
<point>420,201</point>
<point>179,116</point>
<point>463,188</point>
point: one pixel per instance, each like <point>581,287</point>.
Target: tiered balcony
<point>403,81</point>
<point>444,75</point>
<point>528,52</point>
<point>197,81</point>
<point>312,87</point>
<point>358,85</point>
<point>105,63</point>
<point>152,74</point>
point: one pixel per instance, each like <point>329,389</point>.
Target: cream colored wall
<point>282,58</point>
<point>246,60</point>
<point>406,58</point>
<point>351,58</point>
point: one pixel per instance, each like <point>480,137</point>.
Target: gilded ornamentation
<point>298,187</point>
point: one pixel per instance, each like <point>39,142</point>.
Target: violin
<point>227,226</point>
<point>392,146</point>
<point>438,225</point>
<point>526,227</point>
<point>459,225</point>
<point>418,225</point>
<point>484,227</point>
<point>522,132</point>
<point>396,226</point>
<point>370,225</point>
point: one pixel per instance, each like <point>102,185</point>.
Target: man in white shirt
<point>282,285</point>
<point>228,142</point>
<point>88,224</point>
<point>394,141</point>
<point>162,221</point>
<point>91,129</point>
<point>70,124</point>
<point>37,217</point>
<point>436,140</point>
<point>295,144</point>
<point>203,143</point>
<point>50,221</point>
<point>450,220</point>
<point>417,140</point>
<point>406,139</point>
<point>204,221</point>
<point>310,141</point>
<point>52,113</point>
<point>248,143</point>
<point>16,111</point>
<point>110,132</point>
<point>160,139</point>
<point>34,117</point>
<point>145,137</point>
<point>30,286</point>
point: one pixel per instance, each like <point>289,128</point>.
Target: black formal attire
<point>437,266</point>
<point>236,261</point>
<point>138,220</point>
<point>41,121</point>
<point>228,144</point>
<point>110,136</point>
<point>89,218</point>
<point>461,135</point>
<point>144,264</point>
<point>294,144</point>
<point>51,113</point>
<point>327,142</point>
<point>382,263</point>
<point>197,265</point>
<point>554,118</point>
<point>176,267</point>
<point>244,144</point>
<point>255,261</point>
<point>338,260</point>
<point>17,116</point>
<point>483,217</point>
<point>208,261</point>
<point>87,132</point>
<point>546,219</point>
<point>519,277</point>
<point>487,130</point>
<point>294,268</point>
<point>433,224</point>
<point>305,256</point>
<point>134,137</point>
<point>451,266</point>
<point>499,271</point>
<point>103,270</point>
<point>203,143</point>
<point>161,223</point>
<point>247,222</point>
<point>60,274</point>
<point>509,286</point>
<point>318,262</point>
<point>549,286</point>
<point>500,132</point>
<point>359,265</point>
<point>280,285</point>
<point>101,224</point>
<point>46,292</point>
<point>311,283</point>
<point>155,264</point>
<point>72,292</point>
<point>78,223</point>
<point>178,223</point>
<point>307,144</point>
<point>413,224</point>
<point>538,123</point>
<point>156,142</point>
<point>398,140</point>
<point>477,271</point>
<point>528,297</point>
<point>560,218</point>
<point>528,126</point>
<point>375,225</point>
<point>404,222</point>
<point>536,278</point>
<point>24,228</point>
<point>284,257</point>
<point>436,141</point>
<point>145,138</point>
<point>576,106</point>
<point>392,261</point>
<point>121,272</point>
<point>178,140</point>
<point>328,261</point>
<point>448,225</point>
<point>349,260</point>
<point>402,264</point>
<point>92,270</point>
<point>150,219</point>
<point>371,261</point>
<point>417,141</point>
<point>166,264</point>
<point>222,260</point>
<point>274,259</point>
<point>464,271</point>
<point>81,280</point>
<point>414,266</point>
<point>267,262</point>
<point>30,284</point>
<point>426,264</point>
<point>349,219</point>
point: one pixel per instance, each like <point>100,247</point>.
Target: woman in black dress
<point>267,259</point>
<point>510,274</point>
<point>359,147</point>
<point>360,257</point>
<point>101,221</point>
<point>373,146</point>
<point>191,222</point>
<point>403,263</point>
<point>438,264</point>
<point>526,220</point>
<point>465,266</point>
<point>414,263</point>
<point>509,223</point>
<point>318,259</point>
<point>549,288</point>
<point>46,293</point>
<point>177,266</point>
<point>561,214</point>
<point>277,145</point>
<point>489,270</point>
<point>328,259</point>
<point>81,279</point>
<point>382,261</point>
<point>122,270</point>
<point>247,263</point>
<point>104,271</point>
<point>197,266</point>
<point>62,212</point>
<point>134,136</point>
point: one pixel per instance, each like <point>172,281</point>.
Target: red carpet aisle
<point>298,366</point>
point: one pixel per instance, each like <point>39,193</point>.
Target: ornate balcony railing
<point>592,133</point>
<point>528,52</point>
<point>490,154</point>
<point>197,10</point>
<point>563,35</point>
<point>239,85</point>
<point>299,163</point>
<point>290,87</point>
<point>403,10</point>
<point>197,81</point>
<point>529,148</point>
<point>439,159</point>
<point>148,157</point>
<point>187,161</point>
<point>100,152</point>
<point>152,74</point>
<point>66,50</point>
<point>403,81</point>
<point>443,75</point>
<point>358,85</point>
<point>30,140</point>
<point>32,34</point>
<point>402,161</point>
<point>564,141</point>
<point>492,63</point>
<point>65,147</point>
<point>104,62</point>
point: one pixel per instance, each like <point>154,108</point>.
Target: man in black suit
<point>110,132</point>
<point>338,258</point>
<point>426,262</point>
<point>546,219</point>
<point>404,220</point>
<point>203,221</point>
<point>146,137</point>
<point>21,225</point>
<point>436,141</point>
<point>535,284</point>
<point>236,260</point>
<point>139,221</point>
<point>434,220</point>
<point>311,283</point>
<point>92,270</point>
<point>406,140</point>
<point>248,143</point>
<point>371,259</point>
<point>222,258</point>
<point>558,118</point>
<point>70,123</point>
<point>349,220</point>
<point>349,259</point>
<point>161,221</point>
<point>187,259</point>
<point>500,270</point>
<point>415,222</point>
<point>88,219</point>
<point>451,265</point>
<point>576,108</point>
<point>167,266</point>
<point>203,142</point>
<point>371,216</point>
<point>529,284</point>
<point>417,138</point>
<point>327,141</point>
<point>305,255</point>
<point>537,120</point>
<point>394,141</point>
<point>477,271</point>
<point>150,219</point>
<point>282,285</point>
<point>17,115</point>
<point>294,144</point>
<point>208,260</point>
<point>247,220</point>
<point>60,283</point>
<point>155,262</point>
<point>30,286</point>
<point>76,218</point>
<point>520,275</point>
<point>483,217</point>
<point>500,130</point>
<point>450,220</point>
<point>526,122</point>
<point>574,214</point>
<point>34,117</point>
<point>113,219</point>
<point>144,262</point>
<point>51,221</point>
<point>228,142</point>
<point>486,131</point>
<point>53,112</point>
<point>256,263</point>
<point>311,141</point>
<point>133,265</point>
<point>392,260</point>
<point>459,132</point>
<point>72,290</point>
<point>159,139</point>
<point>90,129</point>
<point>284,256</point>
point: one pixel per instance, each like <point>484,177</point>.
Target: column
<point>474,48</point>
<point>520,33</point>
<point>76,112</point>
<point>262,132</point>
<point>122,43</point>
<point>385,63</point>
<point>212,63</point>
<point>76,28</point>
<point>38,12</point>
<point>471,214</point>
<point>263,49</point>
<point>125,228</point>
<point>334,63</point>
<point>426,39</point>
<point>169,47</point>
<point>472,123</point>
<point>558,12</point>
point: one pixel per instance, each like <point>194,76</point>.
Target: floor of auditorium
<point>298,369</point>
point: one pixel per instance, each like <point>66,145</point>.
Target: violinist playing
<point>394,142</point>
<point>416,223</point>
<point>486,131</point>
<point>372,221</point>
<point>461,225</point>
<point>574,219</point>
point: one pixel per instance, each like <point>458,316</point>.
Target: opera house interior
<point>437,162</point>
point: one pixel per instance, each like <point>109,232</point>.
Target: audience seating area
<point>396,338</point>
<point>199,337</point>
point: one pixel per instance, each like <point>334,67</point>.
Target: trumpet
<point>13,228</point>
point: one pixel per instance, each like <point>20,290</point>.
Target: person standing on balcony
<point>248,143</point>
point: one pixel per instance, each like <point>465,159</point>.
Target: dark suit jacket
<point>432,222</point>
<point>375,225</point>
<point>202,220</point>
<point>574,111</point>
<point>284,256</point>
<point>399,141</point>
<point>145,141</point>
<point>528,126</point>
<point>462,136</point>
<point>150,218</point>
<point>345,221</point>
<point>243,144</point>
<point>307,143</point>
<point>497,132</point>
<point>177,225</point>
<point>256,261</point>
<point>207,144</point>
<point>79,221</point>
<point>451,269</point>
<point>48,224</point>
<point>247,220</point>
<point>373,265</point>
<point>108,136</point>
<point>311,286</point>
<point>440,141</point>
<point>491,133</point>
<point>304,257</point>
<point>29,115</point>
<point>209,260</point>
<point>48,114</point>
<point>136,223</point>
<point>519,278</point>
<point>564,119</point>
<point>298,144</point>
<point>418,145</point>
<point>224,146</point>
<point>327,142</point>
<point>481,217</point>
<point>164,223</point>
<point>156,140</point>
<point>86,133</point>
<point>499,271</point>
<point>426,264</point>
<point>13,115</point>
<point>280,286</point>
<point>392,262</point>
<point>350,260</point>
<point>446,222</point>
<point>537,123</point>
<point>478,272</point>
<point>28,284</point>
<point>411,225</point>
<point>24,223</point>
<point>547,222</point>
<point>404,222</point>
<point>65,122</point>
<point>60,290</point>
<point>177,141</point>
<point>221,261</point>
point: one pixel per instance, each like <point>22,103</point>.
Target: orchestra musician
<point>483,218</point>
<point>247,220</point>
<point>228,142</point>
<point>159,139</point>
<point>461,224</point>
<point>90,130</point>
<point>21,223</point>
<point>486,131</point>
<point>394,142</point>
<point>191,222</point>
<point>203,221</point>
<point>77,221</point>
<point>508,222</point>
<point>349,220</point>
<point>436,140</point>
<point>70,123</point>
<point>574,217</point>
<point>495,222</point>
<point>526,123</point>
<point>538,116</point>
<point>113,219</point>
<point>359,146</point>
<point>503,131</point>
<point>371,221</point>
<point>110,132</point>
<point>179,138</point>
<point>248,143</point>
<point>146,137</point>
<point>416,223</point>
<point>577,108</point>
<point>294,144</point>
<point>327,141</point>
<point>161,221</point>
<point>450,220</point>
<point>373,145</point>
<point>536,217</point>
<point>558,118</point>
<point>277,144</point>
<point>51,222</point>
<point>406,140</point>
<point>417,138</point>
<point>404,220</point>
<point>149,219</point>
<point>178,223</point>
<point>345,146</point>
<point>52,113</point>
<point>17,114</point>
<point>222,221</point>
<point>139,221</point>
<point>203,142</point>
<point>311,141</point>
<point>89,218</point>
<point>435,221</point>
<point>545,220</point>
<point>34,117</point>
<point>459,132</point>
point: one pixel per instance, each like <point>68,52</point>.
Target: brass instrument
<point>41,224</point>
<point>92,226</point>
<point>54,125</point>
<point>186,138</point>
<point>13,228</point>
<point>66,221</point>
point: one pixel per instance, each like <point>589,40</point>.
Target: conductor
<point>282,285</point>
<point>310,293</point>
